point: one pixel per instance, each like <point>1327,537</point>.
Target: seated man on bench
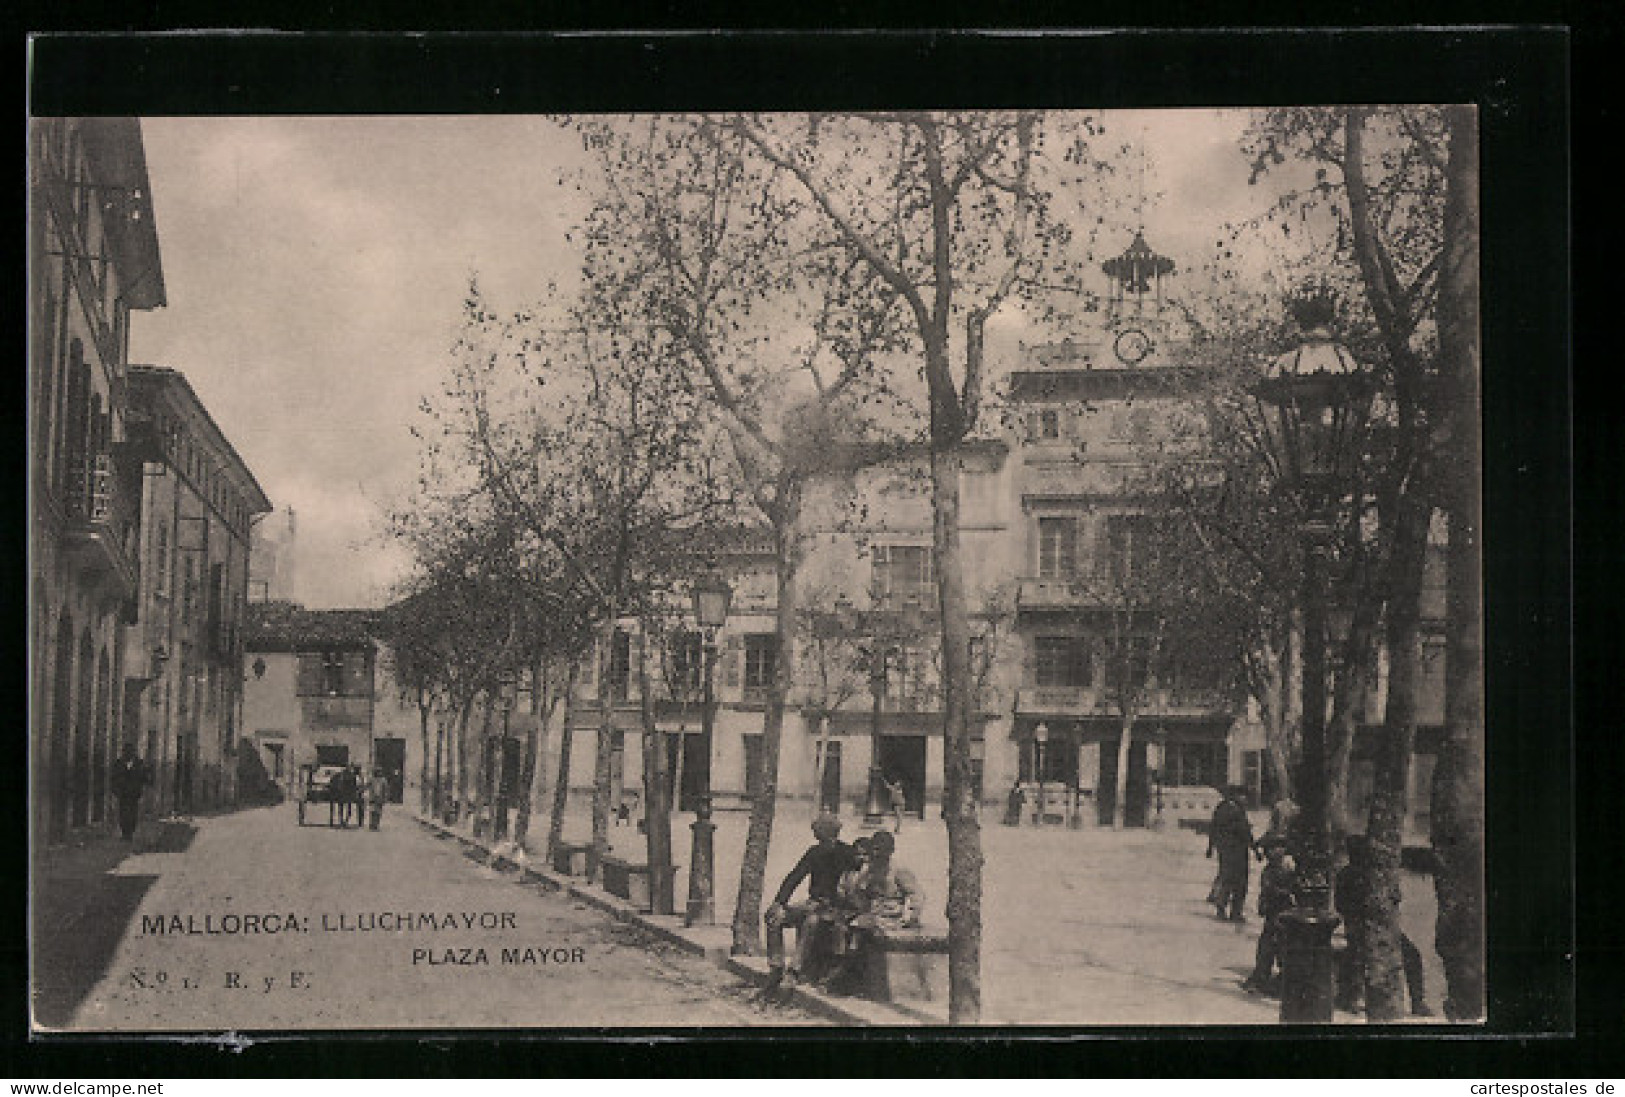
<point>817,921</point>
<point>885,897</point>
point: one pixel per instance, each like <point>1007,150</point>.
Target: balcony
<point>1190,701</point>
<point>1058,701</point>
<point>323,713</point>
<point>1087,700</point>
<point>1057,593</point>
<point>101,523</point>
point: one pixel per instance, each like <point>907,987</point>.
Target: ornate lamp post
<point>1040,737</point>
<point>888,637</point>
<point>1314,400</point>
<point>712,596</point>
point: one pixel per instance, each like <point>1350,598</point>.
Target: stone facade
<point>93,263</point>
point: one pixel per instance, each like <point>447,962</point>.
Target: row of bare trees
<point>773,301</point>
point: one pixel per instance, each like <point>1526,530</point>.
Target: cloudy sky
<point>316,268</point>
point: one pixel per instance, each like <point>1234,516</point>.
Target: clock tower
<point>1134,304</point>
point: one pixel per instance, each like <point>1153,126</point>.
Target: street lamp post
<point>1040,737</point>
<point>1315,399</point>
<point>712,596</point>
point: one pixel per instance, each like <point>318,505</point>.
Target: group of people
<point>855,893</point>
<point>352,798</point>
<point>1230,835</point>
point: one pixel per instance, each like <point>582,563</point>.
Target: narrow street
<point>254,922</point>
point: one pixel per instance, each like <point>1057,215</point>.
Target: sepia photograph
<point>733,570</point>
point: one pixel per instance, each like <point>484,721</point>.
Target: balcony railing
<point>1086,700</point>
<point>102,517</point>
<point>336,712</point>
<point>1056,593</point>
<point>1057,700</point>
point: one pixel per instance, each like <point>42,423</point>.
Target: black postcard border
<point>1519,77</point>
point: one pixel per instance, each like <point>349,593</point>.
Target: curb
<point>752,969</point>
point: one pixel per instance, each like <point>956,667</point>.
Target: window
<point>761,655</point>
<point>685,656</point>
<point>1057,548</point>
<point>188,589</point>
<point>1128,668</point>
<point>620,665</point>
<point>1194,764</point>
<point>1127,536</point>
<point>160,577</point>
<point>334,674</point>
<point>1047,425</point>
<point>1193,670</point>
<point>1056,760</point>
<point>911,677</point>
<point>1062,661</point>
<point>902,572</point>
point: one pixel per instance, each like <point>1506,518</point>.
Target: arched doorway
<point>61,730</point>
<point>83,725</point>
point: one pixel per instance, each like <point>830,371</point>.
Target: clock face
<point>1132,346</point>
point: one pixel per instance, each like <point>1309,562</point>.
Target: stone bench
<point>907,963</point>
<point>570,858</point>
<point>629,880</point>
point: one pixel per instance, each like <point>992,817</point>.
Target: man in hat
<point>1231,833</point>
<point>822,866</point>
<point>129,779</point>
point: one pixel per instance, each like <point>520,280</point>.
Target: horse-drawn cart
<point>334,786</point>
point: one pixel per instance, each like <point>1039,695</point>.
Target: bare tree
<point>1381,179</point>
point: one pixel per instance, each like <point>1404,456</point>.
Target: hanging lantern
<point>712,597</point>
<point>1316,399</point>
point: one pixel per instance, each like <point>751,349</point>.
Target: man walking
<point>377,793</point>
<point>129,779</point>
<point>899,802</point>
<point>1231,833</point>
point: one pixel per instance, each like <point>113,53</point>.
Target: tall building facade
<point>94,262</point>
<point>1073,680</point>
<point>183,655</point>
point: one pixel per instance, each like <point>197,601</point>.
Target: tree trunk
<point>1356,671</point>
<point>438,804</point>
<point>1125,739</point>
<point>656,812</point>
<point>603,756</point>
<point>1385,980</point>
<point>747,920</point>
<point>1458,803</point>
<point>485,767</point>
<point>424,804</point>
<point>462,755</point>
<point>958,807</point>
<point>1270,682</point>
<point>540,708</point>
<point>561,781</point>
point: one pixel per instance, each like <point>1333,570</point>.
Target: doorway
<point>391,755</point>
<point>688,769</point>
<point>902,758</point>
<point>333,754</point>
<point>1138,793</point>
<point>829,780</point>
